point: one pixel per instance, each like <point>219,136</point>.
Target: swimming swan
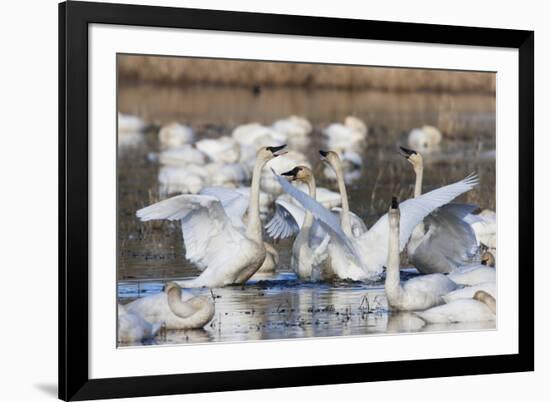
<point>189,312</point>
<point>426,138</point>
<point>309,249</point>
<point>363,257</point>
<point>216,240</point>
<point>133,327</point>
<point>418,293</point>
<point>482,307</point>
<point>444,240</point>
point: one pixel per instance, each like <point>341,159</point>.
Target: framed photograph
<point>258,200</point>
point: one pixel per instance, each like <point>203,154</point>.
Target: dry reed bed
<point>170,70</point>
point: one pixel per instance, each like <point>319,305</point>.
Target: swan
<point>350,136</point>
<point>363,257</point>
<point>177,309</point>
<point>485,228</point>
<point>293,126</point>
<point>468,292</point>
<point>174,179</point>
<point>482,307</point>
<point>133,327</point>
<point>425,138</point>
<point>475,274</point>
<point>130,130</point>
<point>444,240</point>
<point>215,238</point>
<point>418,293</point>
<point>129,123</point>
<point>309,250</point>
<point>182,156</point>
<point>175,135</point>
<point>223,150</point>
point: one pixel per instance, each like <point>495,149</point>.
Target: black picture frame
<point>74,18</point>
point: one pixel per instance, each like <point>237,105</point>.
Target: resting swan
<point>176,313</point>
<point>482,307</point>
<point>215,238</point>
<point>133,327</point>
<point>444,240</point>
<point>309,250</point>
<point>363,257</point>
<point>475,274</point>
<point>426,138</point>
<point>418,293</point>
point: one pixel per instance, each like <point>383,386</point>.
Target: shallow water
<point>149,254</point>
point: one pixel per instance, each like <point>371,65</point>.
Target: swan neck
<point>344,216</point>
<point>308,220</point>
<point>419,170</point>
<point>254,227</point>
<point>178,307</point>
<point>393,284</point>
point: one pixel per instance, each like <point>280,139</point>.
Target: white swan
<point>475,274</point>
<point>183,180</point>
<point>418,293</point>
<point>350,136</point>
<point>485,228</point>
<point>130,130</point>
<point>216,240</point>
<point>175,135</point>
<point>223,150</point>
<point>468,292</point>
<point>182,156</point>
<point>283,164</point>
<point>309,250</point>
<point>177,309</point>
<point>425,139</point>
<point>363,257</point>
<point>444,241</point>
<point>482,307</point>
<point>133,327</point>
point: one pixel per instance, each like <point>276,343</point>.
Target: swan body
<point>182,156</point>
<point>293,126</point>
<point>468,292</point>
<point>444,240</point>
<point>133,327</point>
<point>230,175</point>
<point>425,139</point>
<point>175,135</point>
<point>216,240</point>
<point>128,123</point>
<point>177,309</point>
<point>179,180</point>
<point>461,310</point>
<point>223,150</point>
<point>474,274</point>
<point>485,228</point>
<point>329,199</point>
<point>350,136</point>
<point>418,293</point>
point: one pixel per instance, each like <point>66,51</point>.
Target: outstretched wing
<point>375,242</point>
<point>235,203</point>
<point>326,218</point>
<point>207,231</point>
<point>286,221</point>
<point>358,227</point>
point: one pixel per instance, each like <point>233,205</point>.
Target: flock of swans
<point>227,228</point>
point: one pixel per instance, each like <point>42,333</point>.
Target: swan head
<point>483,296</point>
<point>330,157</point>
<point>412,156</point>
<point>488,259</point>
<point>268,153</point>
<point>394,213</point>
<point>299,173</point>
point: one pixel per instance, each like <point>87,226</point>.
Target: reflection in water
<point>282,307</point>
